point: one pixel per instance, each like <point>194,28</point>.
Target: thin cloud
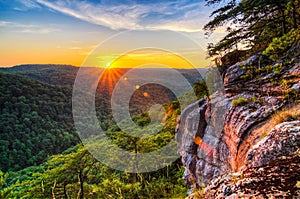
<point>26,28</point>
<point>5,23</point>
<point>25,5</point>
<point>39,30</point>
<point>179,15</point>
<point>9,24</point>
<point>30,3</point>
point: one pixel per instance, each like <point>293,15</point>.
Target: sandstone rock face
<point>235,71</point>
<point>216,137</point>
<point>283,140</point>
<point>277,179</point>
<point>198,137</point>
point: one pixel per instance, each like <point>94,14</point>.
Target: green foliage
<point>2,178</point>
<point>239,102</point>
<point>282,45</point>
<point>288,93</point>
<point>4,191</point>
<point>75,173</point>
<point>200,89</point>
<point>60,75</point>
<point>253,71</point>
<point>35,121</point>
<point>78,175</point>
<point>253,24</point>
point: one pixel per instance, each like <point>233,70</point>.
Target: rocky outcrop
<point>235,71</point>
<point>276,179</point>
<point>283,140</point>
<point>216,137</point>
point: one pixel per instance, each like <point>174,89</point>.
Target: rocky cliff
<point>254,123</point>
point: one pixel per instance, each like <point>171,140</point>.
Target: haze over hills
<point>66,74</point>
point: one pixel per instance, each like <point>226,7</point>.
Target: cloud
<point>29,3</point>
<point>39,30</point>
<point>5,23</point>
<point>180,15</point>
<point>10,24</point>
<point>26,28</point>
<point>25,5</point>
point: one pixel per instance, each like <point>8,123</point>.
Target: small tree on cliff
<point>200,89</point>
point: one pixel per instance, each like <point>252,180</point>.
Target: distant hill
<point>63,75</point>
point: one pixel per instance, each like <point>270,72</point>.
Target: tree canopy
<point>251,24</point>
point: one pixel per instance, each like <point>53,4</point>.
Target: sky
<point>69,31</point>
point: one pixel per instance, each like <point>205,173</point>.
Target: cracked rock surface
<point>217,137</point>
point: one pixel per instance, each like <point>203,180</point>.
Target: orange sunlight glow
<point>209,150</point>
<point>147,58</point>
<point>146,94</point>
<point>115,67</point>
<point>151,59</point>
<point>109,79</point>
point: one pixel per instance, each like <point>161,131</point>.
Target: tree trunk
<point>53,193</point>
<point>295,24</point>
<point>81,184</point>
<point>65,191</point>
<point>283,18</point>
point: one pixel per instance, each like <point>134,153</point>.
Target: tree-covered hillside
<point>35,121</point>
<point>75,173</point>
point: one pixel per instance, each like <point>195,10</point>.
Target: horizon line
<point>109,68</point>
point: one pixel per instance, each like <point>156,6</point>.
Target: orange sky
<point>152,59</point>
<point>63,32</point>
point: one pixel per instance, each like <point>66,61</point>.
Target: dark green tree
<point>251,23</point>
<point>200,89</point>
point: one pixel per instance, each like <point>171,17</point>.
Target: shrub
<point>239,102</point>
<point>254,99</point>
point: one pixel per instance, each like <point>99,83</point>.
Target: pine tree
<point>251,23</point>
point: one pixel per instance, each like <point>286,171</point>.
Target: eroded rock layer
<point>217,136</point>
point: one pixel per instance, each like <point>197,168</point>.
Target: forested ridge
<point>61,75</point>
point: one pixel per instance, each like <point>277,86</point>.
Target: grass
<point>198,193</point>
<point>287,115</point>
